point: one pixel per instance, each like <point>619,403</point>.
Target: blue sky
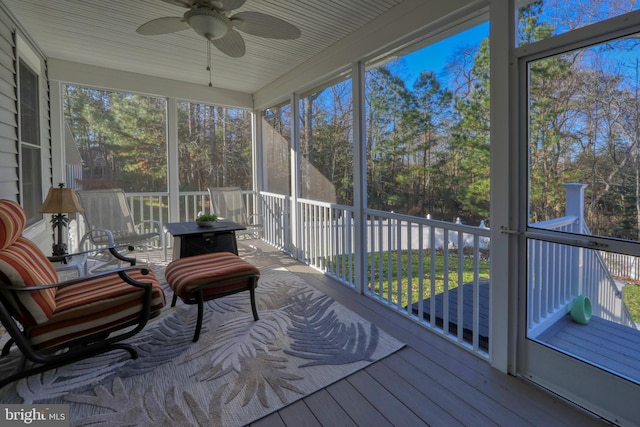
<point>434,57</point>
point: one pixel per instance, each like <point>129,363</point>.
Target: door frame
<point>576,380</point>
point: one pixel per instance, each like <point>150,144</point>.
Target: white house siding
<point>8,110</point>
<point>9,173</point>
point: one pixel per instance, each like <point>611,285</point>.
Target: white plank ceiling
<point>103,33</point>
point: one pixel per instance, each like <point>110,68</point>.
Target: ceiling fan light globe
<point>208,23</point>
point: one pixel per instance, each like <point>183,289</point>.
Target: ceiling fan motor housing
<point>210,24</point>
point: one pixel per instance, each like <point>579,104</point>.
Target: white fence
<point>623,266</point>
<point>420,266</point>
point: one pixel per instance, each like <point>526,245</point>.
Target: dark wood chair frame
<point>81,347</point>
<point>199,299</point>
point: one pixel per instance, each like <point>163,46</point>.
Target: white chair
<point>228,203</point>
<point>110,222</point>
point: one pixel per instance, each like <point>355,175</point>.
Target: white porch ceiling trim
<point>107,78</point>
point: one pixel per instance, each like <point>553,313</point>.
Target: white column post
<point>574,200</point>
<point>359,176</point>
<point>294,219</point>
<point>574,206</point>
<point>58,161</point>
<point>172,160</point>
<point>258,161</point>
<point>505,188</point>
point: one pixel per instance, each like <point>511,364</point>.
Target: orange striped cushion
<point>184,275</point>
<point>12,222</point>
<point>97,304</point>
<point>23,265</point>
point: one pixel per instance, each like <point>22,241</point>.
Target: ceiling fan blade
<point>262,25</point>
<point>232,44</point>
<point>162,26</point>
<point>227,4</point>
<point>182,3</point>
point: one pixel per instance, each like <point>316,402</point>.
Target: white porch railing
<point>276,212</point>
<point>326,236</point>
<point>420,266</point>
<point>558,273</point>
<point>155,206</point>
<point>409,260</point>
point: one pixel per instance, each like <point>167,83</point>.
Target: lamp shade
<point>61,200</point>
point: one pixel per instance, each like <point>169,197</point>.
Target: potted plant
<point>206,220</point>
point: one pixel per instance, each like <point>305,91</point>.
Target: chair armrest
<point>98,231</point>
<point>57,258</point>
<point>112,247</point>
<point>122,272</point>
<point>157,224</point>
<point>253,222</point>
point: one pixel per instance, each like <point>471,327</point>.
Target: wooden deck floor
<point>429,382</point>
<point>601,342</point>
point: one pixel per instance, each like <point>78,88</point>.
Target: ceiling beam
<point>106,78</point>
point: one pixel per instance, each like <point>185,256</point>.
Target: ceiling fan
<point>210,19</point>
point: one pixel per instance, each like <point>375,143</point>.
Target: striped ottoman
<point>200,278</point>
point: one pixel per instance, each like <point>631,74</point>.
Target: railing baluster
<point>399,264</point>
<point>460,290</point>
<point>445,292</point>
<point>380,258</point>
<point>409,267</point>
<point>420,271</point>
<point>433,290</point>
<point>476,293</point>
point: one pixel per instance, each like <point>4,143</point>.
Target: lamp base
<point>59,249</point>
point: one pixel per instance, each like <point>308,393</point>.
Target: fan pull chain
<point>209,61</point>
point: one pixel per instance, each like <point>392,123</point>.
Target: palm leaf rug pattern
<point>240,370</point>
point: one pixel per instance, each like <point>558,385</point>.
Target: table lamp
<point>59,201</point>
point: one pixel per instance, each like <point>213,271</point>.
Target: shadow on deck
<point>467,310</point>
<point>430,381</point>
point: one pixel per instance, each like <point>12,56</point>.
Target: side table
<point>74,262</point>
<point>191,239</point>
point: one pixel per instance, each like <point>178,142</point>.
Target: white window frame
<point>26,54</point>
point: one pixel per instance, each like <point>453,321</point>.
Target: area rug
<point>238,372</point>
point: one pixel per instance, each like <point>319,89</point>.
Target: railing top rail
<point>146,194</point>
<point>182,193</point>
<point>326,204</point>
<point>193,193</point>
<point>275,195</point>
<point>471,229</point>
<point>556,222</point>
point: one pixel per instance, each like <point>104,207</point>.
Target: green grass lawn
<point>387,269</point>
<point>632,300</point>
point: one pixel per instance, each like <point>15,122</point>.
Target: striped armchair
<point>53,323</point>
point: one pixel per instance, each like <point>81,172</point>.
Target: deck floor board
<point>422,396</point>
<point>356,405</point>
<point>600,342</point>
<point>299,414</point>
<point>457,384</point>
<point>327,411</point>
<point>383,400</point>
